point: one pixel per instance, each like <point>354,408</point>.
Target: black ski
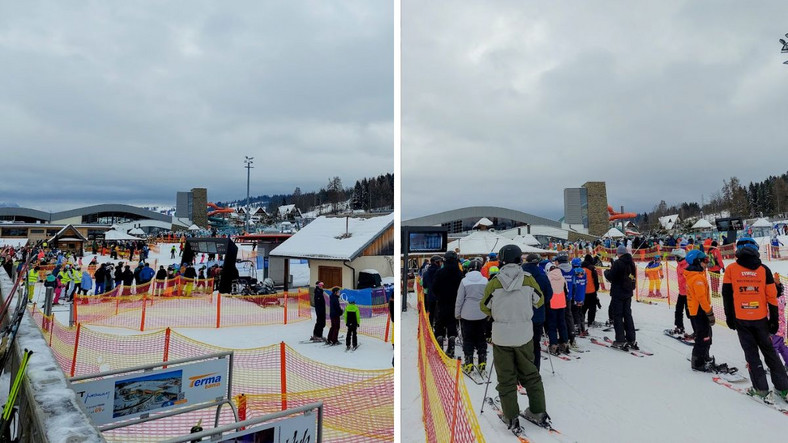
<point>680,337</point>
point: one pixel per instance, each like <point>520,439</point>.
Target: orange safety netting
<point>446,408</point>
<point>358,404</point>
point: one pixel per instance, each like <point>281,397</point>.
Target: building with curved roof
<point>463,219</point>
<point>96,214</point>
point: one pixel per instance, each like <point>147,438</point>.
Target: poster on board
<point>122,397</point>
<point>296,429</point>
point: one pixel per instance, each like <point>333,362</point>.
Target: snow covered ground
<point>611,396</point>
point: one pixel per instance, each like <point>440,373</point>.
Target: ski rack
<point>145,417</point>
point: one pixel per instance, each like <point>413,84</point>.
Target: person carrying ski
<point>471,317</point>
<point>778,339</point>
<point>335,312</point>
<point>352,322</point>
<point>509,299</point>
<point>750,299</point>
<point>654,276</point>
<point>591,302</point>
<point>320,312</point>
<point>622,276</point>
<point>556,318</point>
<point>700,310</point>
<point>532,267</point>
<point>447,281</point>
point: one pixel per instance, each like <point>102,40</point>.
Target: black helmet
<point>475,265</point>
<point>510,254</point>
<point>562,258</point>
<point>450,255</point>
<point>436,259</point>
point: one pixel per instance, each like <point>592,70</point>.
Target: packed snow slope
<point>611,396</point>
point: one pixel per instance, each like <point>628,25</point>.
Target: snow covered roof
<point>484,242</point>
<point>484,221</point>
<point>284,210</point>
<point>702,224</point>
<point>71,231</point>
<point>762,223</point>
<point>520,232</point>
<point>334,238</point>
<point>668,221</point>
<point>118,235</point>
<point>613,233</point>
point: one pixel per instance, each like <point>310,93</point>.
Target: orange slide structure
<point>220,210</point>
<point>619,215</point>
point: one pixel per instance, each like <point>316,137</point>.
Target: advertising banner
<point>123,397</point>
<point>296,429</point>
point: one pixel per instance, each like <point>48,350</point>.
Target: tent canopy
<point>762,223</point>
<point>613,233</point>
<point>483,242</point>
<point>113,235</point>
<point>702,224</point>
<point>484,221</point>
<point>137,231</point>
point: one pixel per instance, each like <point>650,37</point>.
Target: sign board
<point>295,429</point>
<point>729,224</point>
<point>427,241</point>
<point>113,399</point>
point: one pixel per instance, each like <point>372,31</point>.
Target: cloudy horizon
<point>507,103</point>
<point>131,103</point>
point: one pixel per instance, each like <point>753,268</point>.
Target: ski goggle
<point>747,243</point>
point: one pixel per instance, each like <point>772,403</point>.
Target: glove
<point>731,323</point>
<point>458,317</point>
<point>774,318</point>
<point>711,318</point>
<point>773,326</point>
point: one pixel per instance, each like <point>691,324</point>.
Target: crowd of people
<point>511,301</point>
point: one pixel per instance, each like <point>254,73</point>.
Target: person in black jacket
<point>161,276</point>
<point>119,274</point>
<point>98,277</point>
<point>127,278</point>
<point>591,302</point>
<point>320,312</point>
<point>444,288</point>
<point>426,280</point>
<point>335,312</point>
<point>531,266</point>
<point>622,277</point>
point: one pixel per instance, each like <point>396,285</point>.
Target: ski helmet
<point>494,270</point>
<point>562,258</point>
<point>576,262</point>
<point>747,242</point>
<point>492,256</point>
<point>435,259</point>
<point>510,254</point>
<point>475,265</point>
<point>450,255</point>
<point>695,255</point>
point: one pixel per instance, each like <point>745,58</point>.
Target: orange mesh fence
<point>446,408</point>
<point>358,404</point>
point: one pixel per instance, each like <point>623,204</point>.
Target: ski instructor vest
<point>751,294</point>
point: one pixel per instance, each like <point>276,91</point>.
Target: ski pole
<point>489,377</point>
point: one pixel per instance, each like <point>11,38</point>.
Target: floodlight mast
<point>248,161</point>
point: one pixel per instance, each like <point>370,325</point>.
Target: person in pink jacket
<point>778,339</point>
<point>556,320</point>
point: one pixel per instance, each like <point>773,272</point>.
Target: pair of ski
<point>477,376</point>
<point>519,431</point>
<point>352,348</point>
<point>566,357</point>
<point>783,409</point>
<point>729,374</point>
<point>684,338</point>
<point>11,412</point>
<point>608,343</point>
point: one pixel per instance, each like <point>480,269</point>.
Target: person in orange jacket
<point>749,295</point>
<point>492,260</point>
<point>701,312</point>
<point>654,276</point>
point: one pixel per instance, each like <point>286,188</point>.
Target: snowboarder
<point>471,317</point>
<point>509,299</point>
<point>699,305</point>
<point>320,312</point>
<point>335,312</point>
<point>622,277</point>
<point>750,299</point>
<point>444,287</point>
<point>352,321</point>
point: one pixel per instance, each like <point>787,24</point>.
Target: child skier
<point>654,276</point>
<point>578,296</point>
<point>699,305</point>
<point>556,323</point>
<point>681,300</point>
<point>472,319</point>
<point>778,339</point>
<point>352,321</point>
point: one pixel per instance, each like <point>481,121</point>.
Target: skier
<point>578,296</point>
<point>654,276</point>
<point>750,299</point>
<point>699,305</point>
<point>591,302</point>
<point>556,318</point>
<point>172,252</point>
<point>352,321</point>
<point>716,267</point>
<point>51,282</point>
<point>776,243</point>
<point>444,287</point>
<point>562,263</point>
<point>335,312</point>
<point>622,277</point>
<point>492,260</point>
<point>99,276</point>
<point>426,283</point>
<point>471,317</point>
<point>681,299</point>
<point>509,299</point>
<point>320,312</point>
<point>778,339</point>
<point>532,267</point>
<point>86,283</point>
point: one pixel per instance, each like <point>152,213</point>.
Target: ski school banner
<point>113,399</point>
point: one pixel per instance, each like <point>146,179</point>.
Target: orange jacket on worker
<point>697,291</point>
<point>751,293</point>
<point>486,268</point>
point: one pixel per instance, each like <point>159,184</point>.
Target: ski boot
<point>553,349</point>
<point>633,345</point>
<point>511,424</point>
<point>583,333</point>
<point>541,419</point>
<point>482,366</point>
<point>659,293</point>
<point>650,294</point>
<point>783,394</point>
<point>620,345</point>
<point>765,396</point>
<point>468,367</point>
<point>450,347</point>
<point>564,348</point>
<point>573,345</point>
<point>677,331</point>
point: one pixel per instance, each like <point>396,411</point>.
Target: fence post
<point>283,374</point>
<point>166,346</point>
<point>76,347</point>
<point>388,322</point>
<point>285,307</point>
<point>667,279</point>
<point>51,329</point>
<point>117,305</point>
<point>456,399</point>
<point>142,319</point>
<point>218,309</point>
<point>241,408</point>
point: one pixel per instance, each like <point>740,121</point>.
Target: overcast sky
<point>507,103</point>
<point>129,102</point>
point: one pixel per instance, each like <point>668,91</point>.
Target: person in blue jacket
<point>562,263</point>
<point>578,295</point>
<point>533,267</point>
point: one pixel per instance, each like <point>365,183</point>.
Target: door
<point>330,276</point>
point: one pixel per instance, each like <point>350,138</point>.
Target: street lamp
<point>248,162</point>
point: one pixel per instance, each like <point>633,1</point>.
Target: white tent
<point>483,242</point>
<point>762,223</point>
<point>528,239</point>
<point>613,233</point>
<point>701,225</point>
<point>137,231</point>
<point>194,227</point>
<point>484,221</point>
<point>113,235</point>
